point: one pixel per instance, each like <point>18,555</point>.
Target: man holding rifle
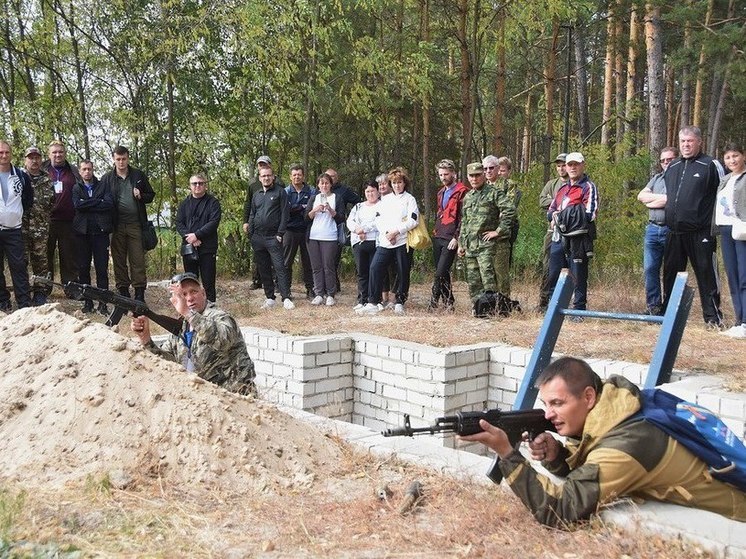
<point>610,452</point>
<point>210,343</point>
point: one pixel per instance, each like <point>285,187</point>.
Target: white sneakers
<point>370,308</point>
<point>271,303</point>
<point>330,302</point>
<point>398,308</point>
<point>358,307</point>
<point>738,331</point>
<point>317,300</point>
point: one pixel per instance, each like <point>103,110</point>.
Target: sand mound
<point>77,399</point>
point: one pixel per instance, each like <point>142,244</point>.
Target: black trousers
<point>443,261</point>
<point>381,260</point>
<point>699,248</point>
<point>206,269</point>
<point>61,238</point>
<point>269,257</point>
<point>93,247</point>
<point>292,242</point>
<point>12,248</point>
<point>363,252</point>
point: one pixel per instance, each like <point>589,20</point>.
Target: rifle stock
<point>121,304</point>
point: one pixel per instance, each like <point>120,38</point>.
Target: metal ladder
<point>664,355</point>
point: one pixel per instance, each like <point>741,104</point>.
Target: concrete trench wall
<point>373,381</point>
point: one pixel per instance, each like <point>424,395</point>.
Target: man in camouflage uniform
<point>36,222</point>
<point>497,172</point>
<point>210,345</point>
<point>487,216</point>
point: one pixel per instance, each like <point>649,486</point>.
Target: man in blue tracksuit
<point>691,185</point>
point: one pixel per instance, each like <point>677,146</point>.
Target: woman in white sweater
<point>363,237</point>
<point>397,214</point>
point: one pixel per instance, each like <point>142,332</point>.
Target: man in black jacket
<point>691,184</point>
<point>93,221</point>
<point>266,224</point>
<point>197,221</point>
<point>131,191</point>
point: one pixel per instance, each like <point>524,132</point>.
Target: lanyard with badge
<point>188,363</point>
<point>58,183</point>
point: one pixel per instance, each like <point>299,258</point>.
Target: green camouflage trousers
<point>502,266</point>
<point>35,239</point>
<point>480,271</point>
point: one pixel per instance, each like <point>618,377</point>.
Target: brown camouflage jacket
<point>618,455</point>
<point>217,352</point>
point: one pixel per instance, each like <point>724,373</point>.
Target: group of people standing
<point>54,207</point>
<point>691,202</point>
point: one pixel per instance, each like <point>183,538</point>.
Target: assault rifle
<point>514,423</point>
<point>122,304</point>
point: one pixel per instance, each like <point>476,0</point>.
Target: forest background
<point>363,85</point>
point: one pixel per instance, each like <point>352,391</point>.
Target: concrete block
<point>339,370</point>
<point>300,388</point>
<point>310,402</point>
<point>298,360</point>
<point>500,353</point>
<point>282,371</point>
<point>363,384</point>
<point>394,352</point>
<point>456,402</point>
<point>478,399</point>
<point>384,378</point>
<point>418,398</point>
<point>514,372</point>
<point>407,355</point>
<point>733,405</point>
<point>309,345</point>
<point>328,358</point>
<point>453,374</point>
<point>370,362</point>
<point>394,393</point>
<point>464,386</point>
<point>308,375</point>
<point>332,384</point>
<point>418,372</point>
<point>433,359</point>
<point>465,357</point>
<point>505,383</point>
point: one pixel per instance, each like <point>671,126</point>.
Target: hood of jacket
<point>619,400</point>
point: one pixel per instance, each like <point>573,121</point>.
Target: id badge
<point>58,187</point>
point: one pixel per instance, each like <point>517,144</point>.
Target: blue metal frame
<point>664,354</point>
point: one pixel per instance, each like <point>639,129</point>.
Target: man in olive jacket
<point>131,190</point>
<point>610,452</point>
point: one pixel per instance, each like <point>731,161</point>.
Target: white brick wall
<point>373,381</point>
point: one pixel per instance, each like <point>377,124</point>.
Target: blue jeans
<point>578,270</point>
<point>652,261</point>
<point>734,258</point>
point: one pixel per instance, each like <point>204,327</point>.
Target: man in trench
<point>210,344</point>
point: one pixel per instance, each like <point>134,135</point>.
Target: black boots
<point>103,309</point>
<point>140,294</point>
<point>124,291</point>
<point>87,306</point>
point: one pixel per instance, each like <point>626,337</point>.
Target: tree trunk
<point>427,185</point>
<point>701,73</point>
<point>608,77</point>
<point>499,145</point>
<point>79,89</point>
<point>467,109</point>
<point>630,108</point>
<point>656,88</point>
<point>549,83</point>
<point>527,127</point>
<point>671,106</point>
<point>310,88</point>
<point>619,85</point>
<point>581,84</point>
<point>686,79</point>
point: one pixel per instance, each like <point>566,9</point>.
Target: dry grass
<point>340,516</point>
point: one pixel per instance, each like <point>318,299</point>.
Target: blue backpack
<point>700,431</point>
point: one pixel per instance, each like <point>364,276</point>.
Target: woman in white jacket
<point>397,214</point>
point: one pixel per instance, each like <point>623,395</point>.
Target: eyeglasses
<point>489,168</point>
<point>198,183</point>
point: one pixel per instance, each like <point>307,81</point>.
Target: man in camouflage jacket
<point>210,344</point>
<point>487,217</point>
<point>36,222</point>
<point>610,452</point>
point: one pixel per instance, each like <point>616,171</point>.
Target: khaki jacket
<point>618,455</point>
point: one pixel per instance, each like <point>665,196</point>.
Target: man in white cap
<point>545,200</point>
<point>572,215</point>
